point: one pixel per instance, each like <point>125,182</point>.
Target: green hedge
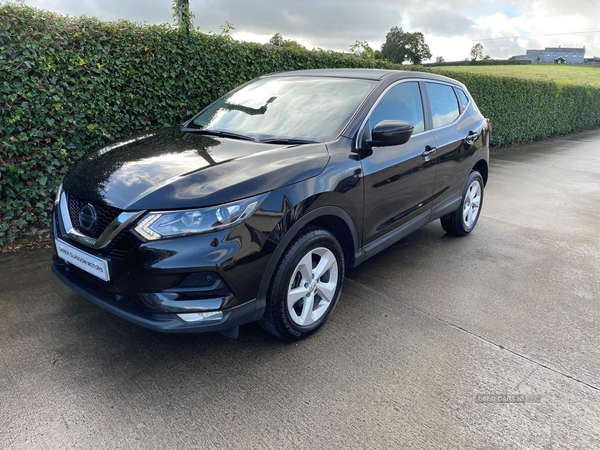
<point>71,85</point>
<point>483,62</point>
<point>524,110</point>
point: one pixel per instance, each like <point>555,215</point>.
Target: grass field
<point>546,72</point>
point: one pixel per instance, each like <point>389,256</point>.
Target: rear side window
<point>443,102</point>
<point>462,97</point>
<point>401,102</point>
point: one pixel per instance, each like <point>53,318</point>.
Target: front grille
<point>118,254</point>
<point>122,244</point>
<point>105,215</point>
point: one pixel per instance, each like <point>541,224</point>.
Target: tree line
<point>399,47</point>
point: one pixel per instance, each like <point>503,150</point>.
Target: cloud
<point>442,21</point>
<point>151,11</point>
<point>536,32</point>
<point>324,23</point>
<point>451,28</point>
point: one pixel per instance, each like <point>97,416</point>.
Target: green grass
<point>544,72</point>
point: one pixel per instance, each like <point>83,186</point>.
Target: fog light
<point>203,316</point>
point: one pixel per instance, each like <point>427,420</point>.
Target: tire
<point>462,221</point>
<point>296,305</point>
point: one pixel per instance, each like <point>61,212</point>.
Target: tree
<point>363,50</point>
<point>181,11</point>
<point>227,29</point>
<point>394,48</point>
<point>440,59</point>
<point>278,41</point>
<point>487,57</point>
<point>401,46</point>
<point>418,50</point>
<point>477,51</point>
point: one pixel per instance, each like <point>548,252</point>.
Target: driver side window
<point>402,102</point>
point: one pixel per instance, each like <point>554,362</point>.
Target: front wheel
<point>305,287</point>
<point>462,221</point>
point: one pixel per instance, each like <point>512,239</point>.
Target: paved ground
<point>420,330</point>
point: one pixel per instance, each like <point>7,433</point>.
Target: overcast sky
<point>450,27</point>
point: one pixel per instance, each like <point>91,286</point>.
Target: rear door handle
<point>472,137</point>
<point>428,151</point>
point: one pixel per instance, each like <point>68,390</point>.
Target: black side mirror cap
<point>391,132</point>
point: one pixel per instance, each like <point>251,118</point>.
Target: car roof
<point>366,74</point>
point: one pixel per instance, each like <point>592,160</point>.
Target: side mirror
<point>391,132</point>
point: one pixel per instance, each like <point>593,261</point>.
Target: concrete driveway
<point>420,331</point>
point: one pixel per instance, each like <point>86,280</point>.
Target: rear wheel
<point>462,221</point>
<point>305,287</point>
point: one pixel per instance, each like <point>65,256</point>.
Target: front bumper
<point>207,282</point>
<point>163,322</point>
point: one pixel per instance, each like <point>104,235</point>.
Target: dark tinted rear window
<point>443,102</point>
<point>462,97</point>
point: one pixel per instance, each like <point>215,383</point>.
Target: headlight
<point>58,194</point>
<point>159,225</point>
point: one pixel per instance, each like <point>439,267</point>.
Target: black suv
<point>253,209</point>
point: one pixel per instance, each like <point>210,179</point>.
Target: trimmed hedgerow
<point>71,85</point>
<point>526,110</point>
<point>482,62</point>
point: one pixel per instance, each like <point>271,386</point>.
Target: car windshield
<point>286,108</point>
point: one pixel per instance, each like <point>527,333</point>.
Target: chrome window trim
<point>424,80</point>
<point>456,88</point>
<point>453,86</point>
<point>111,231</point>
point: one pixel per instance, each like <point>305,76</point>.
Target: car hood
<point>170,169</point>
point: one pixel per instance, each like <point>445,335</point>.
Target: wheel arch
<point>333,219</point>
<point>481,166</point>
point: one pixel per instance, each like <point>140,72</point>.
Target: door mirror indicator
<point>391,132</point>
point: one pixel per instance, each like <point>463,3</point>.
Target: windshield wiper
<point>288,141</point>
<point>219,133</point>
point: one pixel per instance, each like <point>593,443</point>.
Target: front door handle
<point>428,151</point>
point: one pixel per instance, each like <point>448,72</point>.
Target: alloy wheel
<point>472,204</point>
<point>312,286</point>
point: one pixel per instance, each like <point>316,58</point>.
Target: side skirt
<point>394,236</point>
<point>448,206</point>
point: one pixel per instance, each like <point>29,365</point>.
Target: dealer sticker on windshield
<point>91,264</point>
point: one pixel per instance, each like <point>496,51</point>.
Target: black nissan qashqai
<point>253,209</point>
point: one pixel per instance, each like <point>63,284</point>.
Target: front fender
<point>287,238</point>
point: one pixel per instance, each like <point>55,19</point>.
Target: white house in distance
<point>555,55</point>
